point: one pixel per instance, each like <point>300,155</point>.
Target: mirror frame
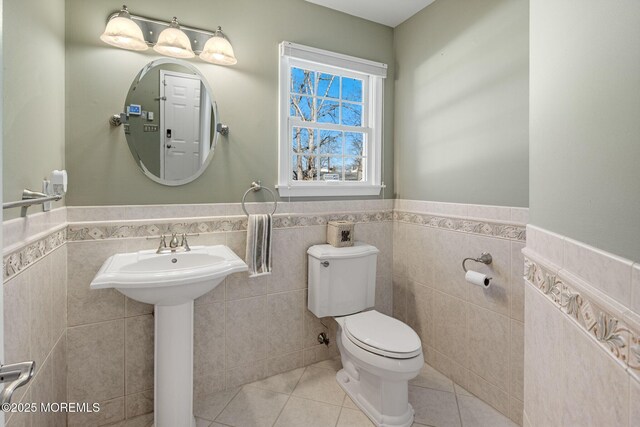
<point>214,105</point>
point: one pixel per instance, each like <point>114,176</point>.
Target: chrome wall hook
<point>484,258</point>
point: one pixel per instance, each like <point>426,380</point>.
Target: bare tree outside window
<point>320,152</point>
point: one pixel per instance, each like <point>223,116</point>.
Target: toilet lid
<point>382,335</point>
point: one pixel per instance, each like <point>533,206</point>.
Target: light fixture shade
<point>218,50</point>
<point>174,42</point>
<point>122,32</point>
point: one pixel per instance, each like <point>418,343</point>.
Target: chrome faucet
<point>173,244</point>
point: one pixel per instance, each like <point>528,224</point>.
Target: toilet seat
<point>383,335</point>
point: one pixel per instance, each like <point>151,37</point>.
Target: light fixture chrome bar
<point>31,198</point>
<point>151,29</point>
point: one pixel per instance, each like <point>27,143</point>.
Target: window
<point>330,123</point>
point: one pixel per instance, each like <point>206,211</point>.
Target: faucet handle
<point>184,243</point>
<point>163,244</point>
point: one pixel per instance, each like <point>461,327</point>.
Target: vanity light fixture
<point>218,50</point>
<point>167,38</point>
<point>174,42</point>
<point>122,32</point>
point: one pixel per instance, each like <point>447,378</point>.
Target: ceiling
<point>387,12</point>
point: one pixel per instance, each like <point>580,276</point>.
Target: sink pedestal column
<point>173,388</point>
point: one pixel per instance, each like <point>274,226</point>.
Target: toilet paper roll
<point>476,278</point>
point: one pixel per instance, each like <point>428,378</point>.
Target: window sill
<point>329,190</point>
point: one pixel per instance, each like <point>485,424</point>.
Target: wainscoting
<point>582,346</point>
<point>473,335</point>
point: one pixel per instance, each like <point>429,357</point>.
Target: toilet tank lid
<point>359,249</point>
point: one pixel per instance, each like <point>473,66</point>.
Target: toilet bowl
<point>379,354</point>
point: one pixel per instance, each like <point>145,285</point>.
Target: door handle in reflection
<point>169,145</point>
<point>17,375</point>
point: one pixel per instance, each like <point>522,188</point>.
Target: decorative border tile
<point>22,258</point>
<point>484,228</point>
<point>17,261</point>
<point>613,334</point>
<point>99,231</point>
<point>285,221</point>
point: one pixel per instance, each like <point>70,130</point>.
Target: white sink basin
<point>170,281</point>
<point>169,278</point>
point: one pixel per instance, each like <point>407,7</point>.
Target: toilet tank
<point>341,280</point>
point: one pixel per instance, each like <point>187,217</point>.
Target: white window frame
<point>372,74</point>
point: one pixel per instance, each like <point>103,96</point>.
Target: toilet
<point>379,354</point>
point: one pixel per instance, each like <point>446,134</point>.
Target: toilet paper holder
<point>484,258</point>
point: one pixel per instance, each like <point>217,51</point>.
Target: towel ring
<point>257,186</point>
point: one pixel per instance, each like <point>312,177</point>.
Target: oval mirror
<point>171,121</point>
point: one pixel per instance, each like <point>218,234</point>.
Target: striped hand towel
<point>259,245</point>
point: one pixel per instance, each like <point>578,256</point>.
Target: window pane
<point>304,140</point>
<point>330,168</point>
<point>301,106</point>
<point>302,81</point>
<point>354,169</point>
<point>328,111</point>
<point>351,89</point>
<point>330,142</point>
<point>303,168</point>
<point>354,143</point>
<point>328,86</point>
<point>351,114</point>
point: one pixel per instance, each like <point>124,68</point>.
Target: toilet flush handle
<point>325,263</point>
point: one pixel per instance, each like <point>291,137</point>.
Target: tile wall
<point>473,335</point>
<point>245,329</point>
<point>248,329</point>
<point>582,363</point>
<point>35,315</point>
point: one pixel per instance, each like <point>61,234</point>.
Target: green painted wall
<point>461,103</point>
<point>101,169</point>
<point>585,122</point>
<point>34,97</point>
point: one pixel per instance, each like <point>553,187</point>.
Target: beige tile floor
<point>311,397</point>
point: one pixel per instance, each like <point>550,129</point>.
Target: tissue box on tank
<point>340,233</point>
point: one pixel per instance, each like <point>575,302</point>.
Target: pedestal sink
<point>170,281</point>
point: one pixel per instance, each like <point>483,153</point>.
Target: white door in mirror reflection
<point>182,136</point>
